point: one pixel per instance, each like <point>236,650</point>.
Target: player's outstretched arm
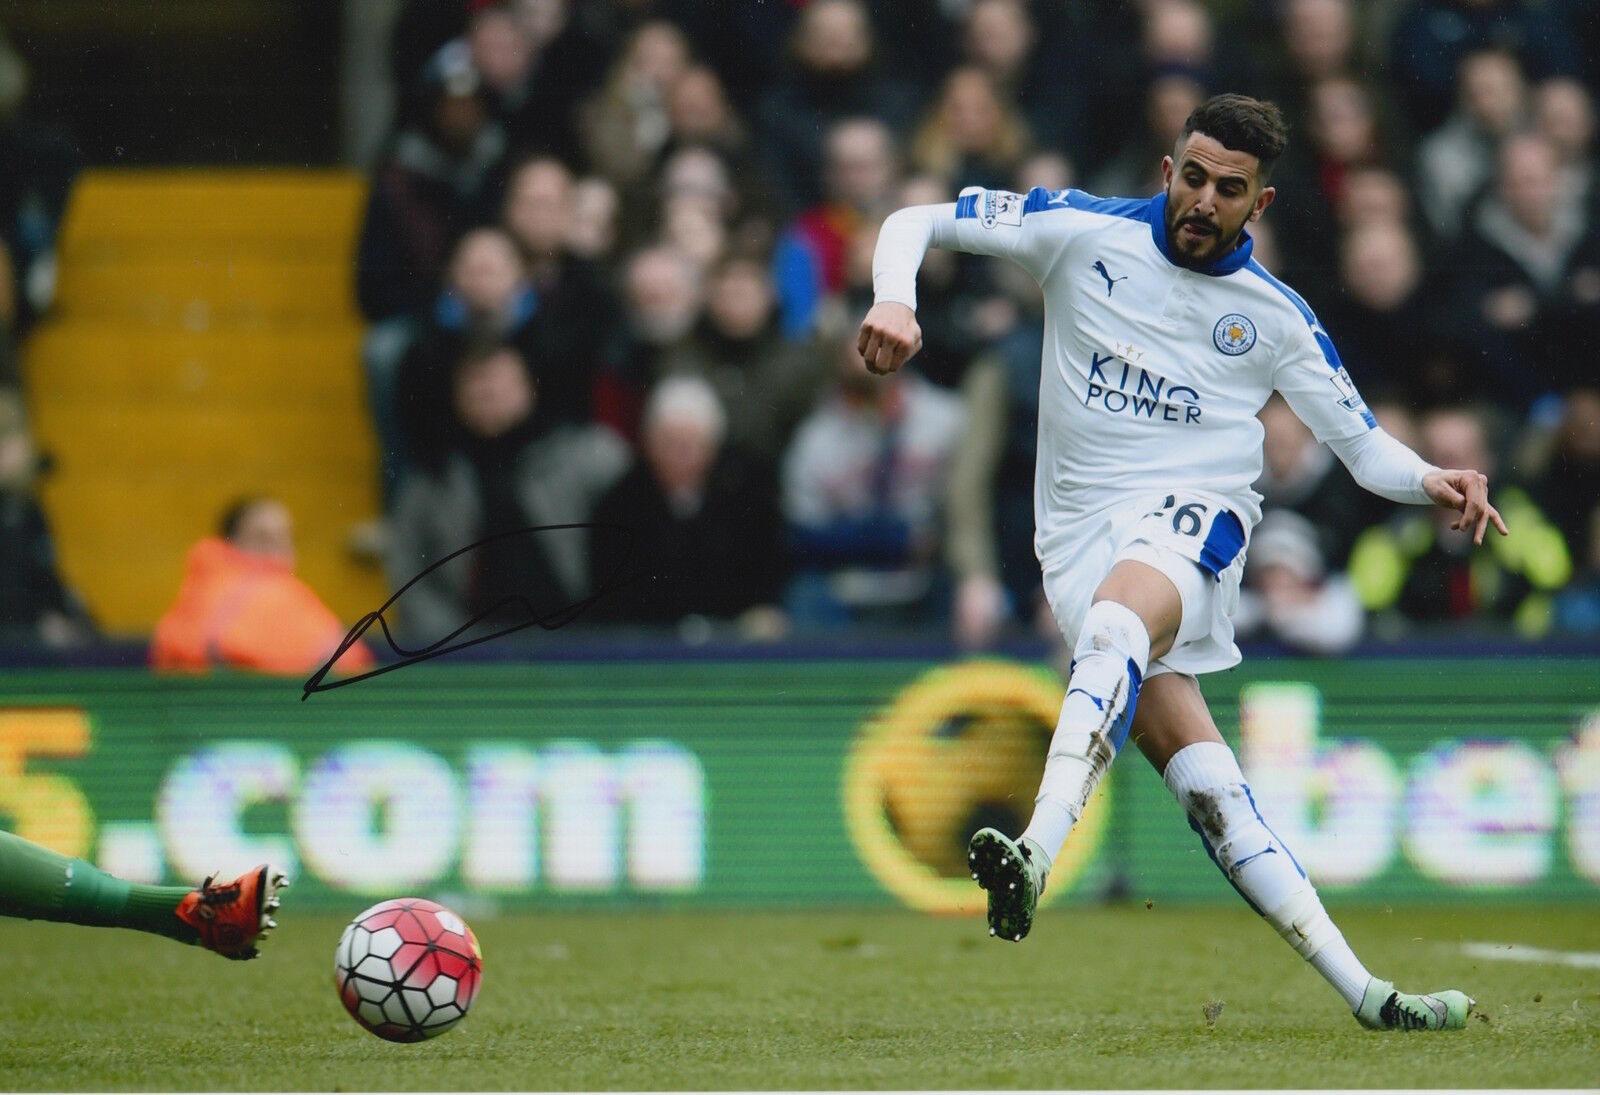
<point>1387,468</point>
<point>889,336</point>
<point>890,333</point>
<point>1466,492</point>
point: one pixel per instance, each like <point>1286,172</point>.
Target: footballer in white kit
<point>1163,339</point>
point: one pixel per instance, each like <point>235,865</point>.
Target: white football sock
<point>1341,968</point>
<point>1208,784</point>
<point>1109,664</point>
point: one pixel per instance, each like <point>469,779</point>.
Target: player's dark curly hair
<point>1242,124</point>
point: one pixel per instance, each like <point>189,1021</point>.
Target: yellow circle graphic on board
<point>960,748</point>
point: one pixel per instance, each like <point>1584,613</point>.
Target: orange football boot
<point>232,918</point>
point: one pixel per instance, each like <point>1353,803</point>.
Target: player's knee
<point>1156,605</point>
<point>1143,581</point>
<point>1113,626</point>
<point>1122,586</point>
<point>1093,746</point>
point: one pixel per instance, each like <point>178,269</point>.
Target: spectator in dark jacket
<point>1456,160</point>
<point>1513,273</point>
<point>1385,318</point>
<point>1001,38</point>
<point>702,529</point>
<point>537,64</point>
<point>663,292</point>
<point>573,329</point>
<point>509,471</point>
<point>36,607</point>
<point>765,383</point>
<point>1343,135</point>
<point>1135,168</point>
<point>1564,114</point>
<point>832,77</point>
<point>485,297</point>
<point>439,177</point>
<point>1431,36</point>
<point>40,165</point>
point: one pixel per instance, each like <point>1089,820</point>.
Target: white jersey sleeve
<point>980,222</point>
<point>1384,466</point>
<point>1313,380</point>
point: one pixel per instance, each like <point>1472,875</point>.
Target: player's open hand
<point>1466,492</point>
<point>889,337</point>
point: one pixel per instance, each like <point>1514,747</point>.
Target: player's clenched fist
<point>889,336</point>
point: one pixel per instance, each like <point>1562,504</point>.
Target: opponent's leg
<point>1134,618</point>
<point>38,884</point>
<point>1174,729</point>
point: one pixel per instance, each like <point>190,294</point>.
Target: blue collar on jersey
<point>1156,214</point>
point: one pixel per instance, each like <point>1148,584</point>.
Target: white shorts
<point>1196,539</point>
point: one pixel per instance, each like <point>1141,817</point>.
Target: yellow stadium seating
<point>204,345</point>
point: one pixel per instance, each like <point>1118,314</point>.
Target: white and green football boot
<point>1006,868</point>
<point>1382,1008</point>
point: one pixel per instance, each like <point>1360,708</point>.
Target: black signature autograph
<point>550,621</point>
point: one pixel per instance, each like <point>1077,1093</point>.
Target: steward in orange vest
<point>241,605</point>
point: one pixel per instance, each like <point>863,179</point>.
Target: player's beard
<point>1195,261</point>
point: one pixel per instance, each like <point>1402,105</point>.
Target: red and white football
<point>408,969</point>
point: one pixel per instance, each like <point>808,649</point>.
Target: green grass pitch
<point>1111,997</point>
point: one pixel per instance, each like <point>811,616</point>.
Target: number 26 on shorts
<point>1188,518</point>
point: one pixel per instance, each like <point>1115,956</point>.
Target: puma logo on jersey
<point>1111,282</point>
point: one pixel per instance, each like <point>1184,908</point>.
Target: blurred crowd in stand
<point>616,251</point>
<point>37,608</point>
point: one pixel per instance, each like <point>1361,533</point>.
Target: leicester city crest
<point>1234,334</point>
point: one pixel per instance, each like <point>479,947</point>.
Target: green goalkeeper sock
<point>38,884</point>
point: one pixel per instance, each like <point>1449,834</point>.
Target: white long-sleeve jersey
<point>1152,373</point>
